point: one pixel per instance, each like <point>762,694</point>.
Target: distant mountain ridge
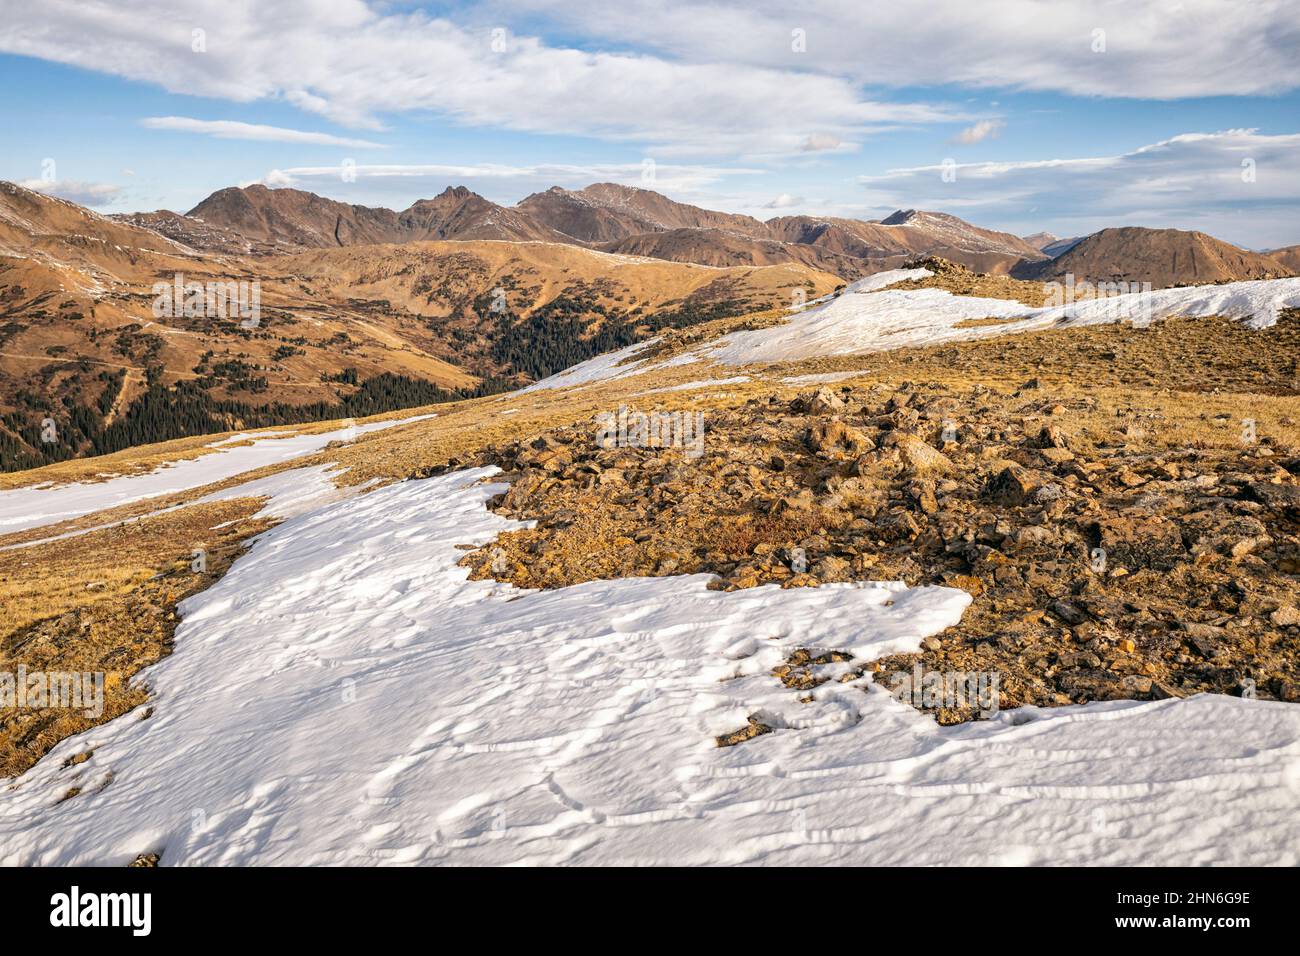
<point>626,220</point>
<point>1288,256</point>
<point>1050,245</point>
<point>603,216</point>
<point>343,325</point>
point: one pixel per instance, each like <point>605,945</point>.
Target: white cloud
<point>230,129</point>
<point>821,142</point>
<point>84,194</point>
<point>784,201</point>
<point>425,179</point>
<point>1161,49</point>
<point>352,62</point>
<point>1238,185</point>
<point>979,132</point>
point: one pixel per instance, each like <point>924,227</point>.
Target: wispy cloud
<point>85,194</point>
<point>666,177</point>
<point>1148,49</point>
<point>351,62</point>
<point>981,131</point>
<point>230,129</point>
<point>1228,183</point>
<point>822,142</point>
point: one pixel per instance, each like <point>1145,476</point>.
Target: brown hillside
<point>385,326</point>
<point>606,211</point>
<point>1163,257</point>
<point>1289,257</point>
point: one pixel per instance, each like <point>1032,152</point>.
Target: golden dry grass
<point>104,602</point>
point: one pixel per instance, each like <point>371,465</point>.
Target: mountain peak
<point>457,192</point>
<point>900,217</point>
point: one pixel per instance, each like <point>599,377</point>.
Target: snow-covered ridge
<point>876,321</point>
<point>868,317</point>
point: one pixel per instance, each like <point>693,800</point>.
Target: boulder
<point>918,456</point>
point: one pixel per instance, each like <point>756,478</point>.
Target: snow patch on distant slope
<point>608,367</point>
<point>1255,303</point>
<point>855,323</point>
<point>895,318</point>
<point>37,505</point>
<point>699,383</point>
<point>623,363</point>
<point>868,317</point>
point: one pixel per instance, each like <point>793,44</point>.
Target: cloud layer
<point>1231,182</point>
<point>1159,49</point>
<point>230,129</point>
<point>84,194</point>
<point>683,180</point>
<point>351,63</point>
<point>720,91</point>
<point>979,132</point>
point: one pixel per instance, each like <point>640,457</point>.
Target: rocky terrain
<point>1120,503</point>
<point>1120,540</point>
<point>1102,567</point>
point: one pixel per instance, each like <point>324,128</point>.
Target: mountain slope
<point>346,330</point>
<point>1163,257</point>
<point>290,219</point>
<point>1050,245</point>
<point>907,234</point>
<point>532,309</point>
<point>197,235</point>
<point>607,216</point>
<point>294,218</point>
<point>458,213</point>
<point>1055,249</point>
<point>957,233</point>
<point>606,211</point>
<point>716,247</point>
<point>1288,256</point>
<point>256,220</point>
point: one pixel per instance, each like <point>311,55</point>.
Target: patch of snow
<point>879,280</point>
<point>37,505</point>
<point>287,492</point>
<point>1255,303</point>
<point>344,695</point>
<point>701,383</point>
<point>876,321</point>
<point>609,367</point>
<point>867,317</point>
<point>868,321</point>
<point>290,492</point>
<point>602,368</point>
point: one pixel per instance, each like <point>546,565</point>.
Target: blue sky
<point>1020,115</point>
